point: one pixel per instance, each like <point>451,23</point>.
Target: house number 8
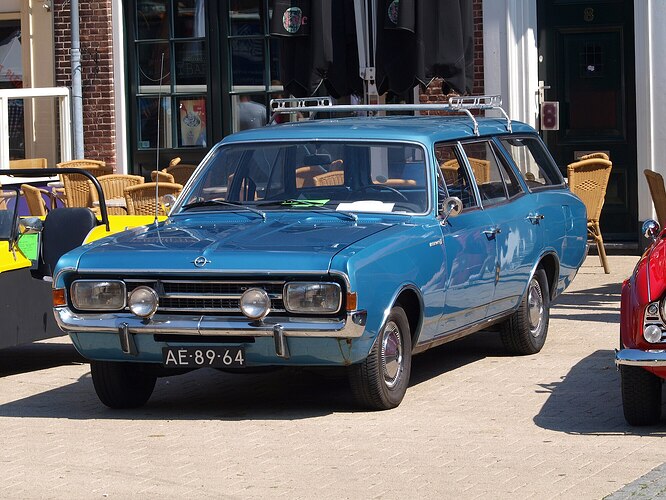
<point>588,14</point>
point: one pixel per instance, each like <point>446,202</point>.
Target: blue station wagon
<point>354,242</point>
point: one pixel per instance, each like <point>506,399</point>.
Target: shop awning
<point>326,47</point>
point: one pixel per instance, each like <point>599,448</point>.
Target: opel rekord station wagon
<point>354,242</point>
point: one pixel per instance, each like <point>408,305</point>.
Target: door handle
<point>534,218</point>
<point>490,233</point>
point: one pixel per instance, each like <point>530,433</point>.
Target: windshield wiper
<point>225,203</point>
<point>316,205</point>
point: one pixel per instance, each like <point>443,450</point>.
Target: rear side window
<point>533,161</point>
<point>494,185</point>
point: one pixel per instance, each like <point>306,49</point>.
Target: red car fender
<point>648,276</point>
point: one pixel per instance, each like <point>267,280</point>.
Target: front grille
<point>208,297</point>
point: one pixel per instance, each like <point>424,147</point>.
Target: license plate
<point>197,357</point>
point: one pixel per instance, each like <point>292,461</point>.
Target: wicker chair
<point>658,193</point>
<point>141,200</point>
<point>95,167</point>
<point>588,178</point>
<point>29,163</point>
<point>77,191</point>
<point>480,168</point>
<point>113,186</point>
<point>181,172</point>
<point>34,200</point>
<point>335,178</point>
<point>161,176</point>
<point>305,175</point>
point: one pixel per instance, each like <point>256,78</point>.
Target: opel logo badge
<point>200,261</point>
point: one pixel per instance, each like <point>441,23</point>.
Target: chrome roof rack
<point>461,104</point>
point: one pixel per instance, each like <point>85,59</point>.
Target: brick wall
<point>99,128</point>
<point>434,93</point>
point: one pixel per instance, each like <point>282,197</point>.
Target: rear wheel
<point>526,330</point>
<point>122,385</point>
<point>641,395</point>
<point>380,381</point>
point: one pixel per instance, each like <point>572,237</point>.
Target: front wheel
<point>526,330</point>
<point>641,395</point>
<point>380,381</point>
<point>122,385</point>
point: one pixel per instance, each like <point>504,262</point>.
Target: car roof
<point>423,129</point>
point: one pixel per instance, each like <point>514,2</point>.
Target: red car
<point>642,355</point>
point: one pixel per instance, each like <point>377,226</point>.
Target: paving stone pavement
<point>475,423</point>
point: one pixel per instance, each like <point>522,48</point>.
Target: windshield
<point>342,176</point>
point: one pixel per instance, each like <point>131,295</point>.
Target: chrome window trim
<point>430,205</point>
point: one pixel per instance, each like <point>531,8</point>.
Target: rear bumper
<point>637,357</point>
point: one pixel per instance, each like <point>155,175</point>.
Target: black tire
<point>122,385</point>
<point>380,381</point>
<point>526,330</point>
<point>641,395</point>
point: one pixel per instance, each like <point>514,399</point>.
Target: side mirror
<point>451,207</point>
<point>31,225</point>
<point>651,229</point>
<point>168,200</point>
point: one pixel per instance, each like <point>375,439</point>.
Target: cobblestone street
<point>475,423</point>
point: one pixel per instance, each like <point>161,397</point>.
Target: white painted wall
<point>650,20</point>
<point>117,17</point>
<point>510,56</point>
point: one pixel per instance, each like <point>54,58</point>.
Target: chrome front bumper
<point>352,326</point>
<point>636,357</point>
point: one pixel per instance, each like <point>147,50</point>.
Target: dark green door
<point>586,57</point>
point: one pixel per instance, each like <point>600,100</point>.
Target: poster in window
<point>193,122</point>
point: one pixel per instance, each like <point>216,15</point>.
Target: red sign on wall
<point>550,115</point>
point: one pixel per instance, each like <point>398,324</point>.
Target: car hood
<point>186,245</point>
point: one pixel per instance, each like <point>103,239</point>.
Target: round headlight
<point>653,309</point>
<point>652,334</point>
<point>255,303</point>
<point>143,301</point>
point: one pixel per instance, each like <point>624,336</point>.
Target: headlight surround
<point>143,301</point>
<point>315,297</point>
<point>96,295</point>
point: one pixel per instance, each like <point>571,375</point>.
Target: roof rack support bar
<point>471,116</point>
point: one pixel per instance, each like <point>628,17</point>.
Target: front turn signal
<point>59,299</point>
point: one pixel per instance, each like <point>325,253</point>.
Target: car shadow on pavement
<point>279,394</point>
<point>37,356</point>
<point>272,394</point>
<point>587,400</point>
<point>593,304</point>
<point>456,354</point>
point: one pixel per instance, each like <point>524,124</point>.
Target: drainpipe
<point>77,91</point>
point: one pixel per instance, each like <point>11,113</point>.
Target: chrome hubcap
<point>535,307</point>
<point>391,354</point>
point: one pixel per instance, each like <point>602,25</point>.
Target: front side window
<point>355,177</point>
<point>455,178</point>
<point>533,161</point>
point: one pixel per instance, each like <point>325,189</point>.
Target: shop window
<point>11,77</point>
<point>254,74</point>
<point>171,74</point>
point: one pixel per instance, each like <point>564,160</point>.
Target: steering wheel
<point>383,187</point>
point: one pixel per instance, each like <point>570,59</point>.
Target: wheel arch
<point>411,301</point>
<point>551,266</point>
